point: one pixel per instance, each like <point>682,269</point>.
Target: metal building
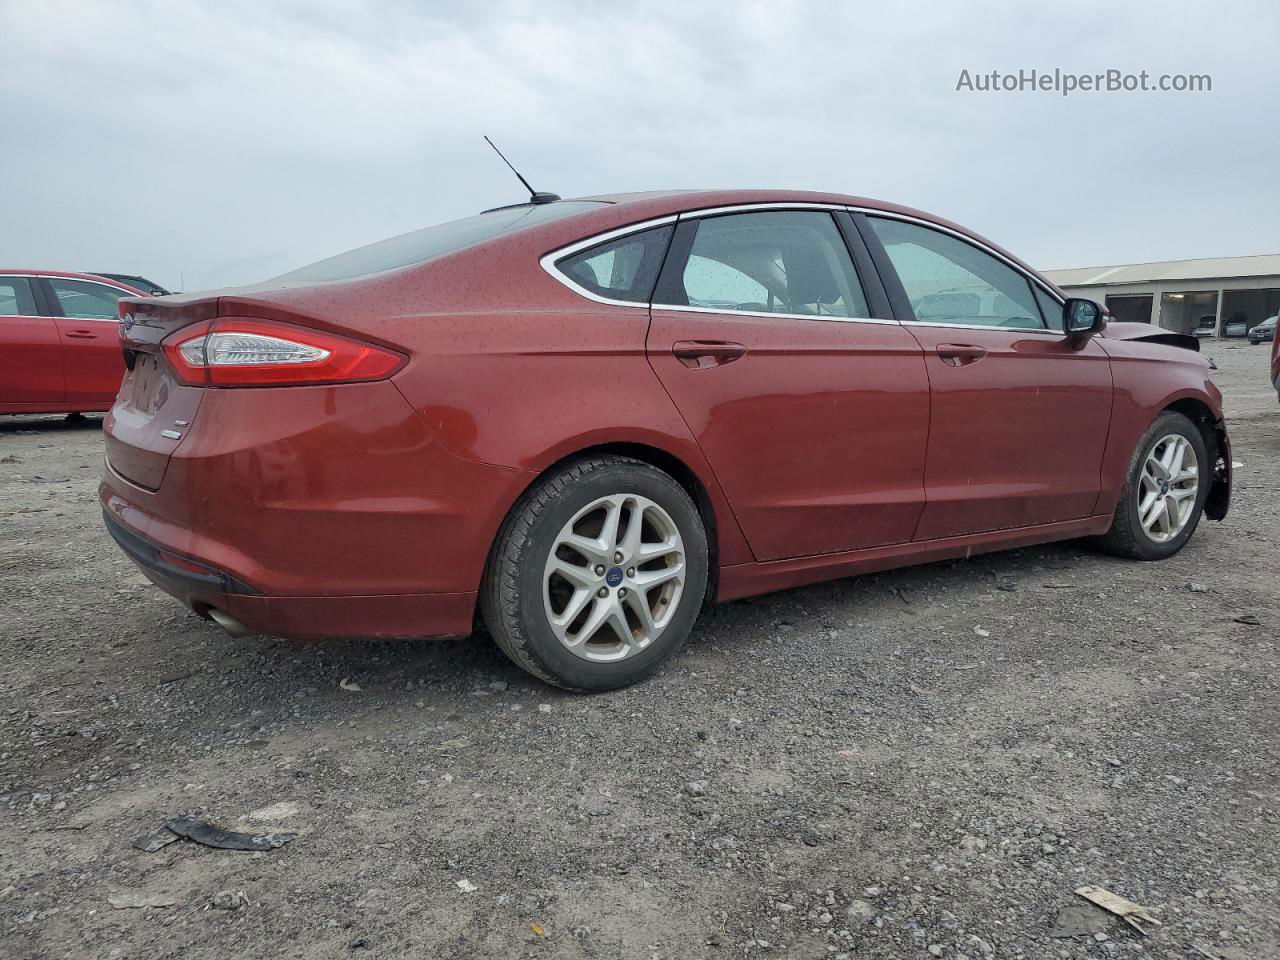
<point>1224,295</point>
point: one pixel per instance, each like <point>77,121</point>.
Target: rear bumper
<point>385,615</point>
<point>313,512</point>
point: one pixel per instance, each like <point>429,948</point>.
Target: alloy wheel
<point>614,577</point>
<point>1168,486</point>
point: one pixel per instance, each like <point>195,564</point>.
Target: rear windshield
<point>430,242</point>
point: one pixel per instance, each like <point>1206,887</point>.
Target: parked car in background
<point>1235,328</point>
<point>138,283</point>
<point>1206,325</point>
<point>580,420</point>
<point>1264,332</point>
<point>59,341</point>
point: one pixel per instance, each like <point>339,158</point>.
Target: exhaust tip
<point>229,623</point>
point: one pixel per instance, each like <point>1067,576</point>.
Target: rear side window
<point>80,298</point>
<point>15,298</point>
<point>622,269</point>
<point>437,241</point>
<point>784,261</point>
<point>950,281</point>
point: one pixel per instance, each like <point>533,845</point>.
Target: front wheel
<point>597,575</point>
<point>1164,491</point>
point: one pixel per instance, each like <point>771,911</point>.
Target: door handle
<point>80,335</point>
<point>700,354</point>
<point>959,354</point>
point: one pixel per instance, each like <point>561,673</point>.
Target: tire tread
<point>499,592</point>
<point>1125,538</point>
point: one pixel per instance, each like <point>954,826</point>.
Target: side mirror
<point>1081,318</point>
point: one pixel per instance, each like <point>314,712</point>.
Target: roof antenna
<point>534,195</point>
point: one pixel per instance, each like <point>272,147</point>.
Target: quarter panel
<point>524,389</point>
<point>320,491</point>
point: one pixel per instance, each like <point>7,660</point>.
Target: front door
<point>1019,413</point>
<point>812,414</point>
<point>31,376</point>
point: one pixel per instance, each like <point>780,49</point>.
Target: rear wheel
<point>1164,492</point>
<point>597,575</point>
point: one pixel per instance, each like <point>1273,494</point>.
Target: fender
<point>1149,378</point>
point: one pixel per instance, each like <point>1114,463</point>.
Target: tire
<point>1128,537</point>
<point>526,600</point>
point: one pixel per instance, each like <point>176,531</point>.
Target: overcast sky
<point>212,143</point>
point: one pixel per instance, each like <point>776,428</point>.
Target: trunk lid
<point>153,410</point>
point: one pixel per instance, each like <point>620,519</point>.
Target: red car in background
<point>59,341</point>
<point>580,420</point>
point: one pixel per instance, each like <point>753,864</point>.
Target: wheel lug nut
<point>622,591</point>
<point>602,592</point>
<point>617,557</point>
<point>631,571</point>
<point>599,569</point>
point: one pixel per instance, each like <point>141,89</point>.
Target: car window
<point>621,269</point>
<point>785,261</point>
<point>81,298</point>
<point>1049,307</point>
<point>15,298</point>
<point>430,242</point>
<point>949,280</point>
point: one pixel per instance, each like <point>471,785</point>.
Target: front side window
<point>80,298</point>
<point>15,297</point>
<point>785,261</point>
<point>1049,307</point>
<point>621,269</point>
<point>950,281</point>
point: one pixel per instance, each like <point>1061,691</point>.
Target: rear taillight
<point>243,352</point>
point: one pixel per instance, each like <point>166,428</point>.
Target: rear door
<point>88,330</point>
<point>31,375</point>
<point>809,402</point>
<point>1020,413</point>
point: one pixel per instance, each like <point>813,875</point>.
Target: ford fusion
<point>577,422</point>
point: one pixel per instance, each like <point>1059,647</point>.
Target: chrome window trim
<point>768,205</point>
<point>780,316</point>
<point>981,326</point>
<point>548,260</point>
<point>101,283</point>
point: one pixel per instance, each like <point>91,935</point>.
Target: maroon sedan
<point>59,350</point>
<point>579,421</point>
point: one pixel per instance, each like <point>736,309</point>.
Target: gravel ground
<point>920,763</point>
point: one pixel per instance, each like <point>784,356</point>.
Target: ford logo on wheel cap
<point>614,576</point>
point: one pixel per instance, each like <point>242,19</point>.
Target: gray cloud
<point>224,142</point>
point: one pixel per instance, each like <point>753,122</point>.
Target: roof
<point>69,275</point>
<point>1262,265</point>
